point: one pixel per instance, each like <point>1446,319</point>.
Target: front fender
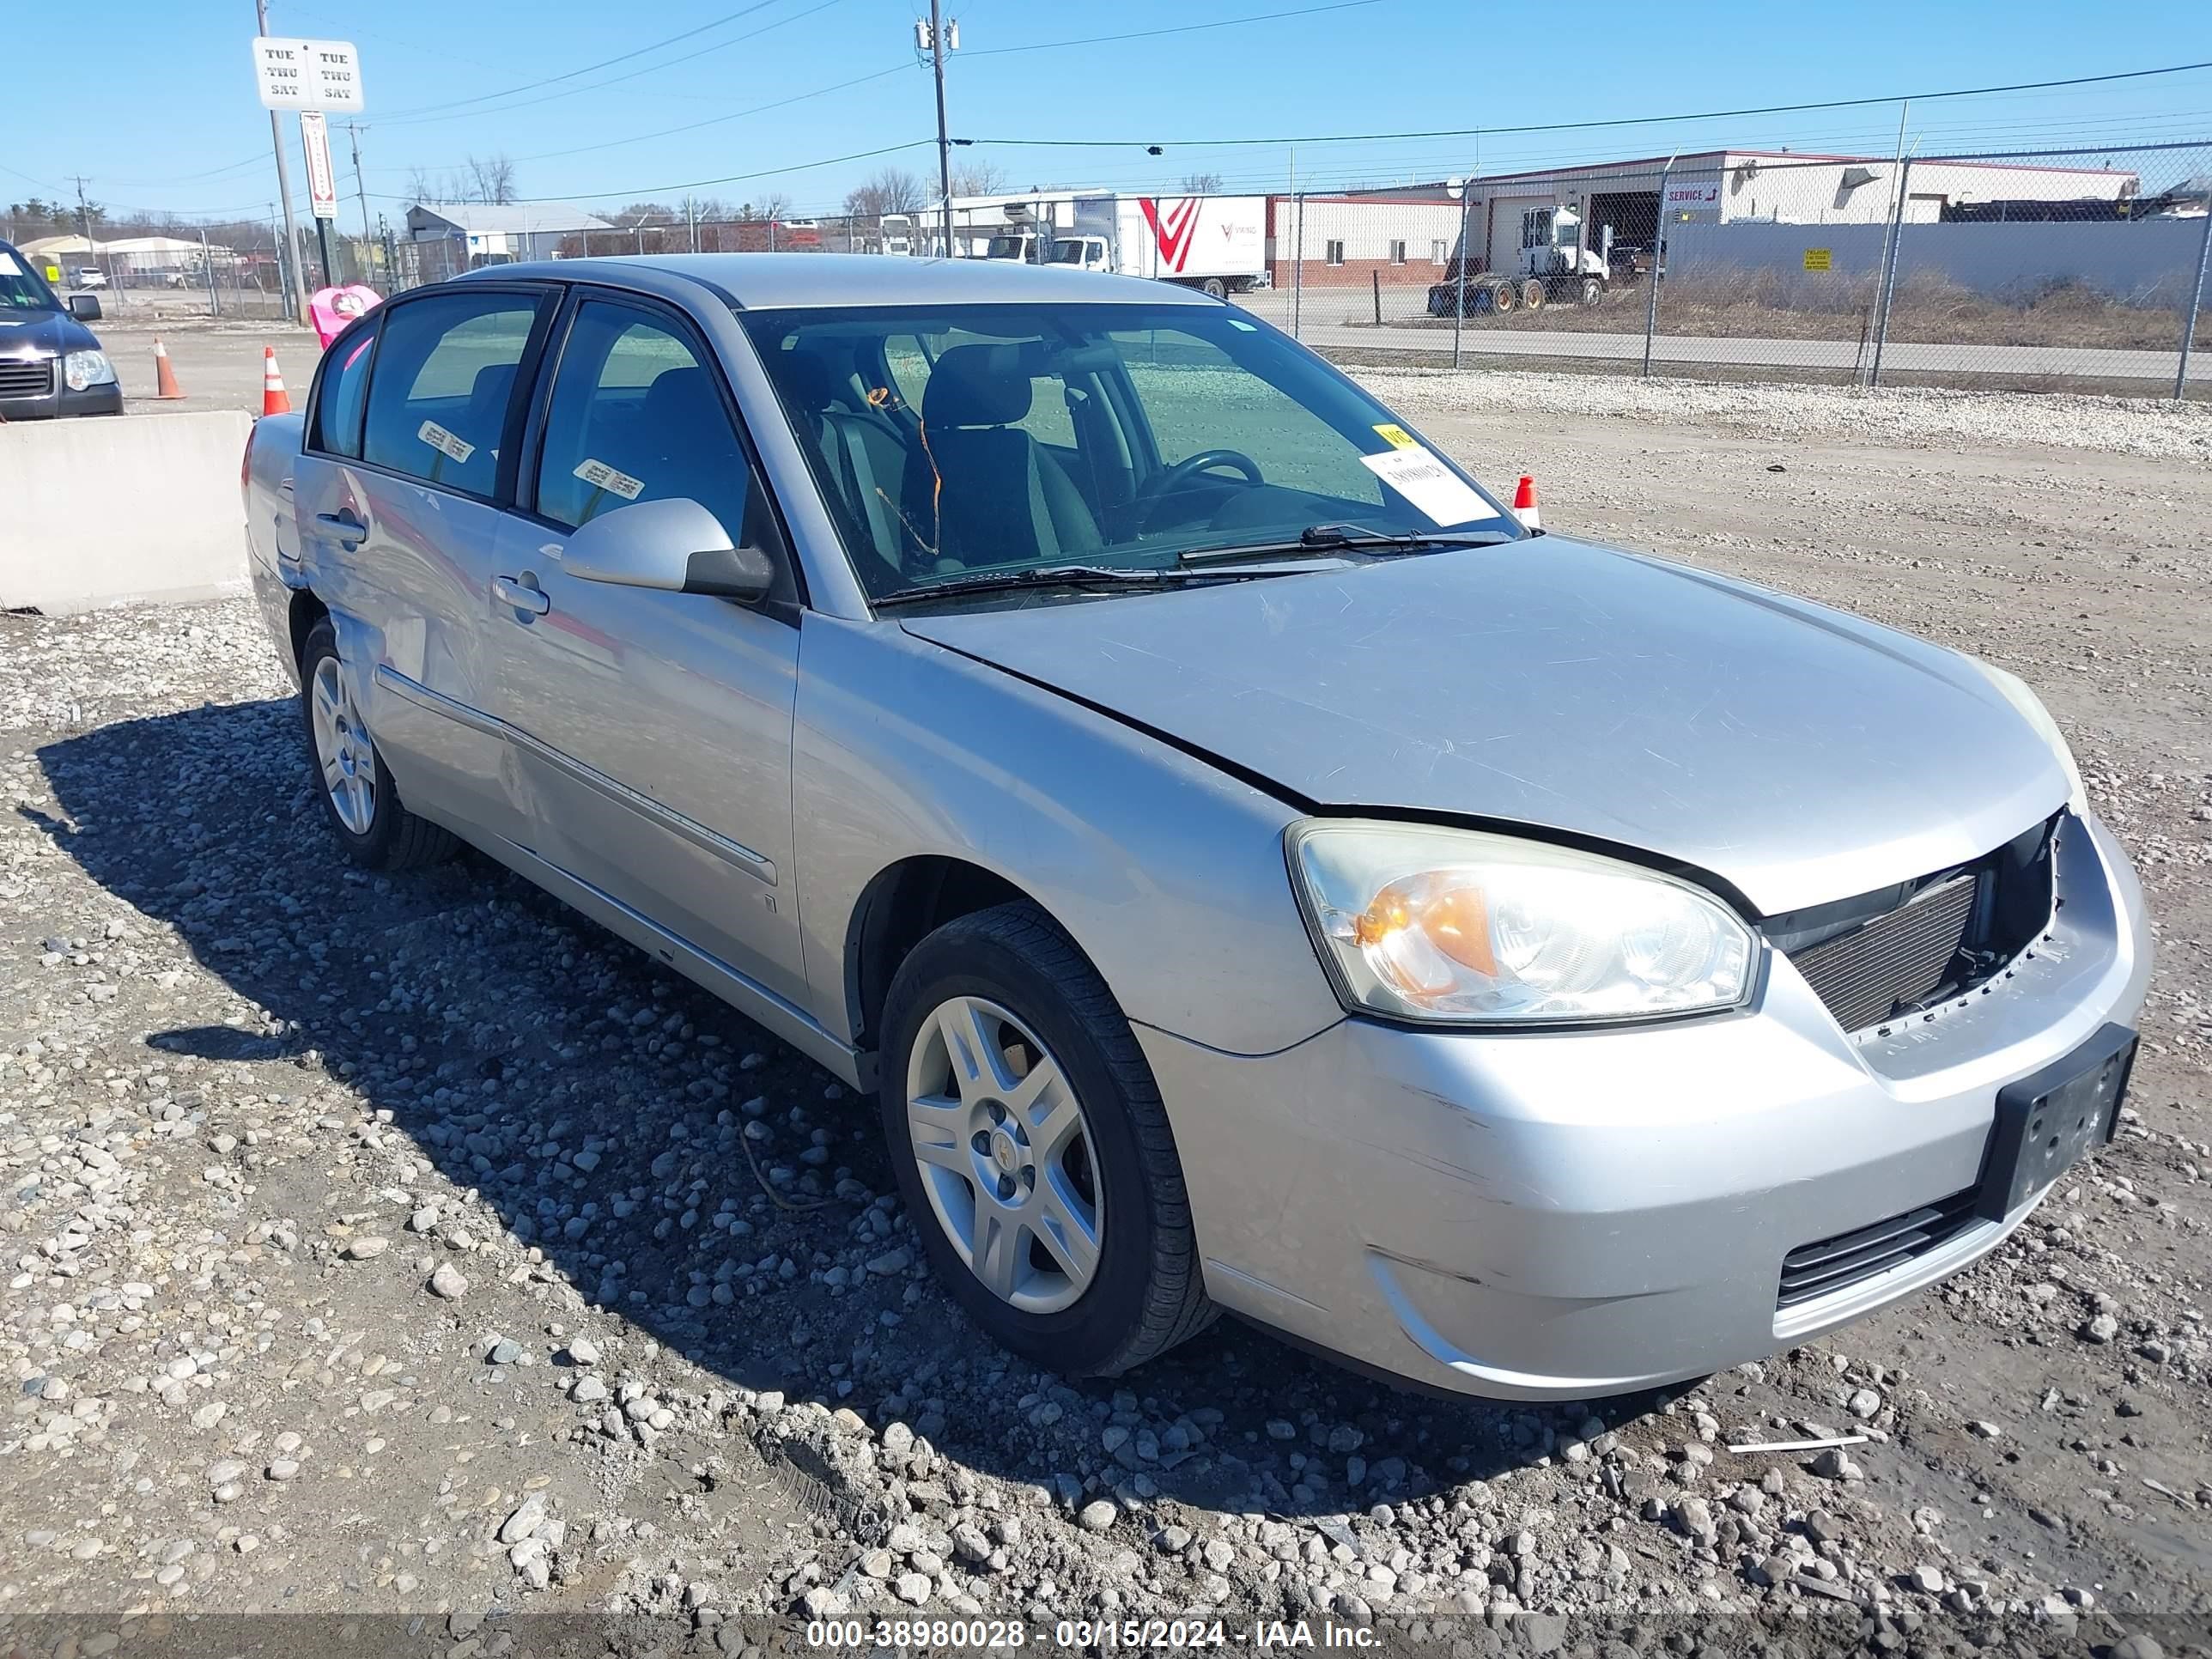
<point>1167,873</point>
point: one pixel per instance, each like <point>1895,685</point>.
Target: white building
<point>1771,186</point>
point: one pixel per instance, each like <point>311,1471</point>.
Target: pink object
<point>332,308</point>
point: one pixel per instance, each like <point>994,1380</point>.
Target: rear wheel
<point>1215,287</point>
<point>1532,294</point>
<point>1032,1149</point>
<point>358,795</point>
<point>1501,297</point>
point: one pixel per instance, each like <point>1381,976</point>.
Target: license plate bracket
<point>2049,1120</point>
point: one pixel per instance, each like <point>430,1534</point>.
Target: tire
<point>1532,295</point>
<point>1215,289</point>
<point>1590,291</point>
<point>1503,297</point>
<point>382,834</point>
<point>1011,978</point>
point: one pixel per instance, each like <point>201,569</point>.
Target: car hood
<point>1798,754</point>
<point>41,334</point>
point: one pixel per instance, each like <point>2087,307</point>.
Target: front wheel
<point>1032,1149</point>
<point>1591,291</point>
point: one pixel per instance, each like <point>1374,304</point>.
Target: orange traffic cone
<point>165,378</point>
<point>275,400</point>
<point>1524,506</point>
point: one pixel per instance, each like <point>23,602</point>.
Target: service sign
<point>322,178</point>
<point>306,74</point>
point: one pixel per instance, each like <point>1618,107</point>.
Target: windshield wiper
<point>1335,537</point>
<point>1053,575</point>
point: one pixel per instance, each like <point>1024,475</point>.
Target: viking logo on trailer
<point>1172,223</point>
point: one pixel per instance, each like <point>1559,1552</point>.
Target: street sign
<point>322,178</point>
<point>306,74</point>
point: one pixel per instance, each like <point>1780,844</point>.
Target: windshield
<point>1007,247</point>
<point>20,288</point>
<point>953,442</point>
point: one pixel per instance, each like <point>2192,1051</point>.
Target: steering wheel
<point>1166,484</point>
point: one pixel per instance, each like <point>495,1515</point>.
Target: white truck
<point>1552,267</point>
<point>1217,243</point>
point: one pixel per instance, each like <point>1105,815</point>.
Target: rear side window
<point>445,386</point>
<point>636,416</point>
<point>345,387</point>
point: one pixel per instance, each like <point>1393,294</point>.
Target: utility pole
<point>296,291</point>
<point>361,190</point>
<point>944,141</point>
<point>84,223</point>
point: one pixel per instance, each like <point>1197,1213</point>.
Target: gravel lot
<point>410,1246</point>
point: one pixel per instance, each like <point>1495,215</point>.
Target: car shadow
<point>677,1164</point>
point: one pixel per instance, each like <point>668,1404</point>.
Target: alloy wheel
<point>1004,1154</point>
<point>343,749</point>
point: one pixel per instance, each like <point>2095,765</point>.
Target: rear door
<point>399,518</point>
<point>652,729</point>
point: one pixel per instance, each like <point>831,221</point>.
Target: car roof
<point>777,280</point>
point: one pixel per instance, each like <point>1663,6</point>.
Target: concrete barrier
<point>96,511</point>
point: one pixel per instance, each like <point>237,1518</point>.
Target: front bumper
<point>58,400</point>
<point>1571,1215</point>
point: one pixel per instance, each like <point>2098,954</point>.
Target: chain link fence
<point>2080,270</point>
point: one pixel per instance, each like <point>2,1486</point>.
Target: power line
<point>1180,28</point>
<point>603,63</point>
<point>644,191</point>
<point>1580,126</point>
<point>736,115</point>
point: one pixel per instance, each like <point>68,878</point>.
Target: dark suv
<point>50,362</point>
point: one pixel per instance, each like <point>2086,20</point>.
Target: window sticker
<point>445,443</point>
<point>600,476</point>
<point>1397,436</point>
<point>1429,485</point>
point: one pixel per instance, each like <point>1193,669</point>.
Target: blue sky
<point>175,126</point>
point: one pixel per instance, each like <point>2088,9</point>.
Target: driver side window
<point>1197,398</point>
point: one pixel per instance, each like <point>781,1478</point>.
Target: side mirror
<point>675,545</point>
<point>85,307</point>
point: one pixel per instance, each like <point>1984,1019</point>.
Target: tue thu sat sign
<point>306,74</point>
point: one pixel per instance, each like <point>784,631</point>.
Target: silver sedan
<point>1252,869</point>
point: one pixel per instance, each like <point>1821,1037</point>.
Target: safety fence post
<point>1297,261</point>
<point>2195,305</point>
<point>1658,265</point>
<point>1459,307</point>
<point>1894,243</point>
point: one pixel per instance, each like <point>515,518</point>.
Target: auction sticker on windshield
<point>1429,485</point>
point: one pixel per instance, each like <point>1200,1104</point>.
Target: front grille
<point>32,379</point>
<point>1829,1265</point>
<point>1889,953</point>
<point>1895,960</point>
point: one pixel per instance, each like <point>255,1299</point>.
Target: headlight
<point>1457,927</point>
<point>85,368</point>
<point>2015,691</point>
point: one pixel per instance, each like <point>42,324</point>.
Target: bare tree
<point>491,178</point>
<point>1201,184</point>
<point>978,177</point>
<point>894,190</point>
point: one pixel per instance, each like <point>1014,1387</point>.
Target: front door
<point>652,730</point>
<point>402,525</point>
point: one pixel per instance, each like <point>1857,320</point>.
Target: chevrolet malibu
<point>1252,871</point>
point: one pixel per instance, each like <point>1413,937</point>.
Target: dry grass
<point>1929,308</point>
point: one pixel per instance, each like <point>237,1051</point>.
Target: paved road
<point>2012,362</point>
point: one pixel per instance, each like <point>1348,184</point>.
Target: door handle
<point>521,595</point>
<point>343,527</point>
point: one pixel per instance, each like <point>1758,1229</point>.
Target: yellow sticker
<point>1819,258</point>
<point>1397,436</point>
